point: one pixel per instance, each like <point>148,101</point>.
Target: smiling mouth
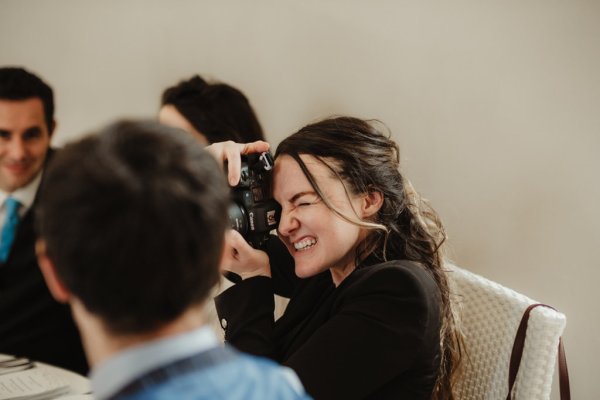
<point>16,168</point>
<point>305,244</point>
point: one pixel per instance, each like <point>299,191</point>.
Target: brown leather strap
<point>563,373</point>
<point>517,354</point>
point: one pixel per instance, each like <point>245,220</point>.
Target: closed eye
<point>308,201</point>
<point>304,199</point>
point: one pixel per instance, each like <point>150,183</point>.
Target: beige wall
<point>495,103</point>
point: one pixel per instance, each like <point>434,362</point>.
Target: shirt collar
<point>116,372</point>
<point>25,194</point>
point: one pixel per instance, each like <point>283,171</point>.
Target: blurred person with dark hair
<point>32,323</point>
<point>211,111</point>
<point>132,225</point>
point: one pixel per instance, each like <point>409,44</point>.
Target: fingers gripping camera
<point>254,213</point>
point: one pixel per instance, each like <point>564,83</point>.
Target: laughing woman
<point>369,315</point>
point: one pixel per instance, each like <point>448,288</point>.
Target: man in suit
<point>132,223</point>
<point>32,323</point>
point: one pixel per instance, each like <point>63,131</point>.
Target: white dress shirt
<point>25,195</point>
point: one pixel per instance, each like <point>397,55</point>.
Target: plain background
<point>496,105</point>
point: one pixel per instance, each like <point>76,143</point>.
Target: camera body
<point>254,213</point>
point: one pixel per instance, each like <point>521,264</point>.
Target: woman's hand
<point>230,151</point>
<point>243,259</point>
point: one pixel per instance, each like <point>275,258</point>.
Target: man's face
<point>24,142</point>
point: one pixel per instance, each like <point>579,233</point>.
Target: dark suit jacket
<point>32,323</point>
<point>375,336</point>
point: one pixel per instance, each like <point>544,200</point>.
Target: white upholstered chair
<point>490,315</point>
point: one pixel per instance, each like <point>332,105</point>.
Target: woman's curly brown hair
<point>406,227</point>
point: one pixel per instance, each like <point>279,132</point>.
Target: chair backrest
<point>490,316</point>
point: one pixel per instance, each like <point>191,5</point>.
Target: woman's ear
<point>371,203</point>
<point>55,285</point>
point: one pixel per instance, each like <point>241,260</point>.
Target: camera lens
<point>238,219</point>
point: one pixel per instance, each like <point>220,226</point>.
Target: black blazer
<point>376,336</point>
<point>32,323</point>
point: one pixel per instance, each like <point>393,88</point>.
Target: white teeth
<point>305,244</point>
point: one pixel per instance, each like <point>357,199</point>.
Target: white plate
<point>78,385</point>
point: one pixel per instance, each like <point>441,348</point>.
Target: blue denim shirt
<point>192,366</point>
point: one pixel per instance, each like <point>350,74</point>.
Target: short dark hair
<point>134,219</point>
<point>19,84</point>
<point>217,110</point>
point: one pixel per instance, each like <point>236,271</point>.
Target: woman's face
<point>168,115</point>
<point>317,238</point>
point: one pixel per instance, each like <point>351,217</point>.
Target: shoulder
<point>397,293</point>
<point>274,377</point>
<point>400,298</point>
<point>250,377</point>
<point>240,377</point>
<point>397,275</point>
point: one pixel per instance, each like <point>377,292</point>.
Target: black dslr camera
<point>253,212</point>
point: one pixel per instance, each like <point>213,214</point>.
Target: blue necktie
<point>9,229</point>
